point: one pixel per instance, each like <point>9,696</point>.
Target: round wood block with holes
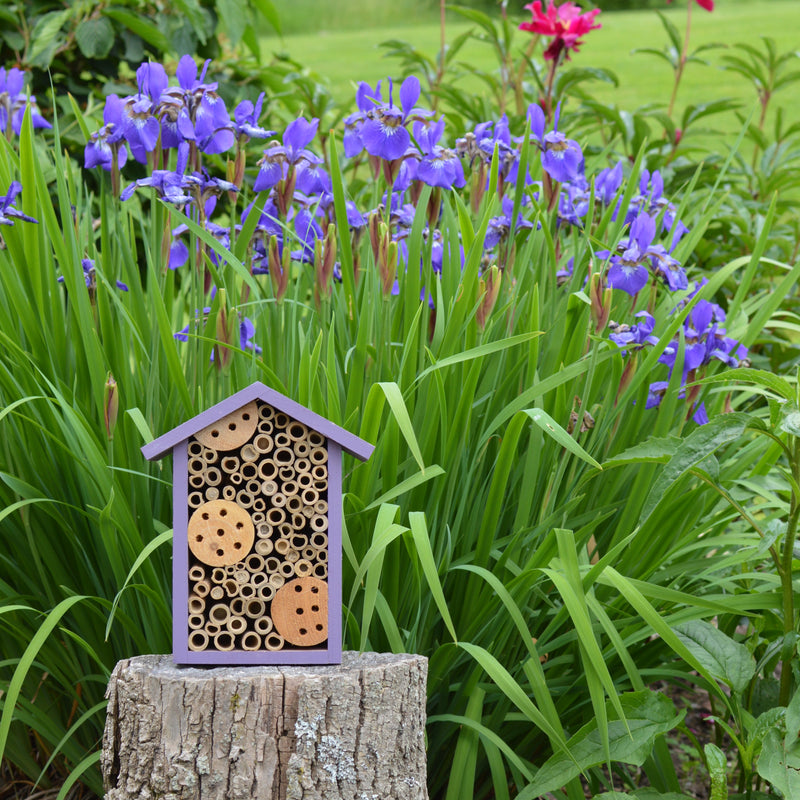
<point>300,611</point>
<point>220,533</point>
<point>231,431</point>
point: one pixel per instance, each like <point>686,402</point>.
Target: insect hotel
<point>257,531</point>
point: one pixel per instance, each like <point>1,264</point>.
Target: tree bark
<point>354,730</point>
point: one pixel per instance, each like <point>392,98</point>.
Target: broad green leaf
<point>95,37</point>
<point>759,377</point>
<point>717,770</point>
<point>657,450</point>
<point>141,26</point>
<point>553,429</point>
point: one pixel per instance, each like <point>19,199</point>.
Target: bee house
<point>257,531</point>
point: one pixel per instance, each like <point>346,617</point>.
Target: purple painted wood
<point>335,552</point>
<point>159,447</point>
<point>180,550</point>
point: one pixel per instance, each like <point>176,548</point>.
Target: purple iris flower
<point>109,140</point>
<point>627,271</point>
<point>308,231</point>
<point>439,166</point>
<point>9,214</point>
<point>607,183</point>
<point>562,158</point>
<point>14,101</point>
<point>367,100</point>
<point>634,337</point>
<point>245,117</point>
<point>170,185</point>
<point>275,163</point>
<point>500,226</point>
<point>383,132</point>
<point>573,202</point>
<point>90,276</point>
<point>655,393</point>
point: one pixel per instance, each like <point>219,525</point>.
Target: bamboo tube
<point>266,591</point>
<point>265,427</point>
<point>310,496</point>
<point>272,564</point>
<point>195,499</point>
<point>321,485</point>
<point>319,522</point>
<point>196,465</point>
<point>229,493</point>
<point>253,488</point>
<point>235,478</point>
<point>309,553</point>
<point>319,540</point>
<point>275,516</point>
<point>321,506</point>
<point>254,563</point>
<point>308,511</point>
<point>301,449</point>
<point>196,573</point>
<point>230,569</point>
<point>202,588</point>
<point>294,504</point>
<point>247,590</point>
<point>236,625</point>
<point>229,464</point>
<point>216,593</point>
<point>219,613</point>
<point>212,493</point>
<point>198,640</point>
<point>249,452</point>
<point>283,456</point>
<point>241,576</point>
<point>264,547</point>
<point>270,488</point>
<point>195,449</point>
<point>290,488</point>
<point>292,556</point>
<point>282,546</point>
<point>318,456</point>
<point>316,439</point>
<point>267,469</point>
<point>285,530</point>
<point>322,555</point>
<point>286,472</point>
<point>265,411</point>
<point>302,465</point>
<point>217,575</point>
<point>213,476</point>
<point>319,472</point>
<point>282,440</point>
<point>237,607</point>
<point>258,517</point>
<point>251,641</point>
<point>196,481</point>
<point>258,579</point>
<point>273,641</point>
<point>196,604</point>
<point>299,541</point>
<point>262,445</point>
<point>263,625</point>
<point>263,531</point>
<point>287,569</point>
<point>279,499</point>
<point>259,506</point>
<point>254,608</point>
<point>302,568</point>
<point>277,579</point>
<point>321,571</point>
<point>281,420</point>
<point>224,641</point>
<point>244,499</point>
<point>210,455</point>
<point>231,431</point>
<point>196,621</point>
<point>211,628</point>
<point>250,472</point>
<point>299,521</point>
<point>296,431</point>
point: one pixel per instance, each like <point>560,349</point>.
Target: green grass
<point>344,57</point>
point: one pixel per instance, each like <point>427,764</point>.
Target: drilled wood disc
<point>300,611</point>
<point>231,431</point>
<point>220,533</point>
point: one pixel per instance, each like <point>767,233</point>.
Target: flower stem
<point>786,582</point>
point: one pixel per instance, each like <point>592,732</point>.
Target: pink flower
<point>708,5</point>
<point>566,23</point>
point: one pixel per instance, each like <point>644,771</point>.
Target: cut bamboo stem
<point>224,641</point>
<point>251,641</point>
<point>198,640</point>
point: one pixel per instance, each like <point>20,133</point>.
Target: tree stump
<point>354,730</point>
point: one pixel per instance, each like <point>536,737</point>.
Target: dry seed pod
<point>319,522</point>
<point>231,587</point>
<point>231,431</point>
<point>302,568</point>
<point>279,500</point>
<point>254,608</point>
<point>213,476</point>
<point>229,493</point>
<point>247,590</point>
<point>196,573</point>
<point>266,592</point>
<point>263,625</point>
<point>287,472</point>
<point>202,588</point>
<point>195,499</point>
<point>319,540</point>
<point>251,641</point>
<point>262,444</point>
<point>212,493</point>
<point>196,481</point>
<point>303,466</point>
<point>219,613</point>
<point>264,547</point>
<point>273,641</point>
<point>282,546</point>
<point>301,449</point>
<point>229,464</point>
<point>198,640</point>
<point>275,516</point>
<point>321,571</point>
<point>237,607</point>
<point>250,472</point>
<point>217,575</point>
<point>321,507</point>
<point>281,420</point>
<point>196,621</point>
<point>249,452</point>
<point>268,469</point>
<point>220,533</point>
<point>265,411</point>
<point>216,593</point>
<point>224,641</point>
<point>300,611</point>
<point>236,625</point>
<point>277,580</point>
<point>196,604</point>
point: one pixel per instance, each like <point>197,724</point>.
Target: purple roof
<point>350,443</point>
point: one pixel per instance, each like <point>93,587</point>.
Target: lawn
<point>344,57</point>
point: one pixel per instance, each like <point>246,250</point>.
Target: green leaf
<point>717,770</point>
<point>95,37</point>
<point>44,38</point>
<point>760,377</point>
<point>648,715</point>
<point>656,450</point>
<point>395,399</point>
<point>267,10</point>
<point>141,27</point>
<point>553,429</point>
